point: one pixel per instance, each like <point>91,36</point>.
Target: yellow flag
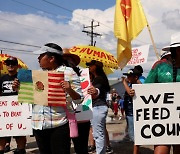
<point>129,21</point>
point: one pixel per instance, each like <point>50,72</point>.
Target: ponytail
<point>76,69</point>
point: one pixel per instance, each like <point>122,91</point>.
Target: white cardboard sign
<point>156,110</point>
<point>139,55</point>
<point>15,117</point>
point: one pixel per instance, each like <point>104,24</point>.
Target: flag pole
<point>155,49</point>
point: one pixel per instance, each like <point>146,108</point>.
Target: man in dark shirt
<point>132,78</point>
<point>6,89</point>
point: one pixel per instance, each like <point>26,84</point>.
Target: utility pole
<point>91,33</point>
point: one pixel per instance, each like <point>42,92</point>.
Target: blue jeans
<point>98,125</point>
<point>130,123</point>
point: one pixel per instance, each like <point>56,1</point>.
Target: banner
<point>129,21</point>
<point>15,117</point>
<point>84,110</point>
<point>156,112</point>
<point>139,55</point>
<point>41,87</point>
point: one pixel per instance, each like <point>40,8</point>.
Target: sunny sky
<point>36,22</point>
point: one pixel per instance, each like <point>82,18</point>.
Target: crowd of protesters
<point>51,125</point>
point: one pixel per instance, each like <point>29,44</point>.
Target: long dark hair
<point>173,56</point>
<point>100,72</point>
<point>75,68</point>
<point>59,58</point>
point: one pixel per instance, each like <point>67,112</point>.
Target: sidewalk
<point>116,129</point>
<point>120,144</point>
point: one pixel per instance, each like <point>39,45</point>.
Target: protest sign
<point>139,55</point>
<point>84,110</point>
<point>15,117</point>
<point>41,87</point>
<point>156,112</point>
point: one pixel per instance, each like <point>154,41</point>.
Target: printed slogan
<point>15,117</point>
<point>156,111</point>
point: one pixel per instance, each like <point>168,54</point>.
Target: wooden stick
<point>155,49</point>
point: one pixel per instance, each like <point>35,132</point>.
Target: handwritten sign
<point>139,55</point>
<point>156,111</point>
<point>84,110</point>
<point>15,117</point>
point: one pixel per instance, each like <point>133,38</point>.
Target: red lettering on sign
<point>82,50</point>
<point>15,114</point>
<point>6,114</point>
<point>103,55</point>
<point>96,53</point>
<point>9,126</point>
<point>3,103</point>
<point>19,126</point>
<point>14,103</point>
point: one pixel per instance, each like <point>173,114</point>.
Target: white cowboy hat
<point>164,53</point>
<point>175,42</point>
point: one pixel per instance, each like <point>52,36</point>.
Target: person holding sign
<point>80,142</point>
<point>50,123</point>
<point>132,78</point>
<point>6,89</point>
<point>164,71</point>
<point>98,90</point>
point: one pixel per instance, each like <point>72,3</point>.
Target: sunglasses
<point>12,63</point>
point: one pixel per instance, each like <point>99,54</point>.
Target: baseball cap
<point>94,62</point>
<point>12,60</point>
<point>132,72</point>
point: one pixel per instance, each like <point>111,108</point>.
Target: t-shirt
<point>99,83</point>
<point>128,103</point>
<point>121,103</point>
<point>142,79</point>
<point>162,72</point>
<point>6,82</point>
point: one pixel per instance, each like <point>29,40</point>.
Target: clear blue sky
<point>53,7</point>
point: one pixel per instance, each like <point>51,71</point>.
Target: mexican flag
<point>41,87</point>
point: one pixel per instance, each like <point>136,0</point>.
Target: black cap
<point>132,72</point>
<point>94,62</point>
<point>11,59</point>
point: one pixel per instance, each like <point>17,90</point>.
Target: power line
<point>4,48</point>
<point>63,9</point>
<point>83,16</point>
<point>36,8</point>
<point>41,29</point>
<point>59,6</point>
<point>20,43</point>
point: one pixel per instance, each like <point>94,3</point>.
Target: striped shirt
<point>46,117</point>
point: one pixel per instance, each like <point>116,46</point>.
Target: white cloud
<point>38,29</point>
<point>171,19</point>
